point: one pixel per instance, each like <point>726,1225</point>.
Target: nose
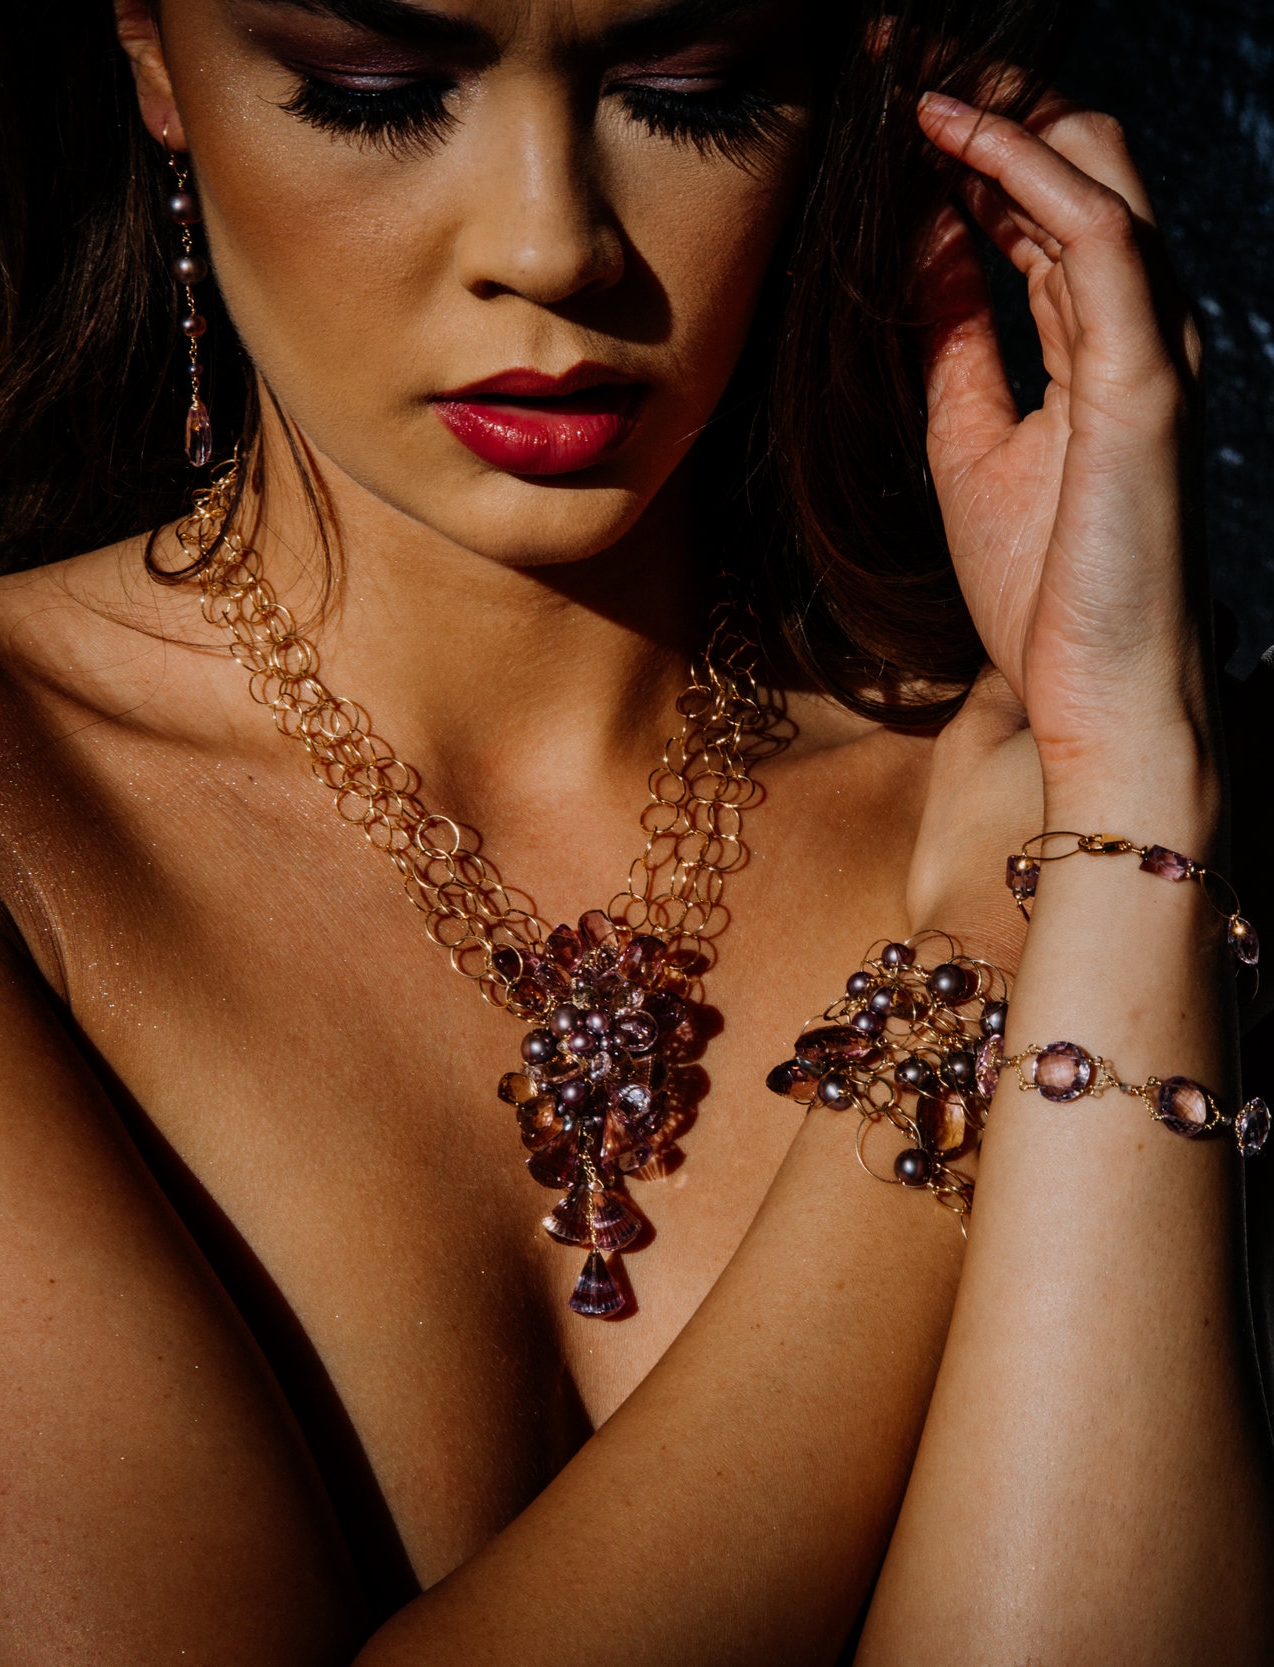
<point>536,223</point>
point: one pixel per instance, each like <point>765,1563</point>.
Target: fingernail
<point>941,104</point>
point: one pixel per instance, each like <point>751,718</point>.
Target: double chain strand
<point>604,1084</point>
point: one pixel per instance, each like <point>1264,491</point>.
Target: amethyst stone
<point>198,435</point>
<point>1185,1108</point>
<point>1252,1127</point>
<point>1245,945</point>
<point>1022,876</point>
<point>989,1061</point>
<point>1168,865</point>
<point>1063,1071</point>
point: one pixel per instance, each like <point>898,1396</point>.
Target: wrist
<point>1159,785</point>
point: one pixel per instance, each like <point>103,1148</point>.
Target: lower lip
<point>556,438</point>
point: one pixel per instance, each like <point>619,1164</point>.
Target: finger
<point>971,406</point>
<point>1095,143</point>
<point>1092,224</point>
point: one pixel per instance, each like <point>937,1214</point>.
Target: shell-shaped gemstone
<point>1063,1071</point>
<point>990,1058</point>
<point>1185,1107</point>
<point>596,1295</point>
<point>570,1220</point>
<point>1252,1127</point>
<point>198,435</point>
<point>1168,865</point>
<point>1245,944</point>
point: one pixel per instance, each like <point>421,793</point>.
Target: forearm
<point>736,1507</point>
<point>1094,1479</point>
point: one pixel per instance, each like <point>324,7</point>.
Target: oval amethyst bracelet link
<point>1063,1072</point>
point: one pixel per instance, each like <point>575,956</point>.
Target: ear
<point>137,26</point>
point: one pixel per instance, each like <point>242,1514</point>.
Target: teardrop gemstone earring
<point>189,269</point>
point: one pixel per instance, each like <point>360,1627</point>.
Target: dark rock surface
<point>1192,81</point>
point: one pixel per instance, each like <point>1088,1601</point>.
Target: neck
<point>507,687</point>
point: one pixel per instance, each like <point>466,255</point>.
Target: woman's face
<point>403,200</point>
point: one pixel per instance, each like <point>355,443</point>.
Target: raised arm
<point>1094,1482</point>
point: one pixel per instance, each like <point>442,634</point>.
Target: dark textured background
<point>1193,83</point>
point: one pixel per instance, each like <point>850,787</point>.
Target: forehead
<point>505,21</point>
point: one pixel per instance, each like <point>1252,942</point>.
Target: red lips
<point>527,423</point>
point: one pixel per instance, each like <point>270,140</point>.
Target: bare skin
<point>314,1085</point>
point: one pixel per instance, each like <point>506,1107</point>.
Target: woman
<point>290,1372</point>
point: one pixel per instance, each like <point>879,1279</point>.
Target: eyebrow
<point>401,20</point>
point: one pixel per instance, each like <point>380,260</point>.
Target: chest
<point>316,1088</point>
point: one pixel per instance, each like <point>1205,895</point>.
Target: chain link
<point>693,821</point>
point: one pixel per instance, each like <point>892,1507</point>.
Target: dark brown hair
<point>812,475</point>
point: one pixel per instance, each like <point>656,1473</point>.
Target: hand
<point>1066,527</point>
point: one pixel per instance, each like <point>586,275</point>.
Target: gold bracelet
<point>1024,868</point>
<point>1062,1072</point>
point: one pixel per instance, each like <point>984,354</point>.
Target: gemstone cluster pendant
<point>610,1024</point>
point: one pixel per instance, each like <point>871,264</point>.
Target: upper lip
<point>537,384</point>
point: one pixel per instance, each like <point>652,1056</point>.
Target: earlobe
<point>137,26</point>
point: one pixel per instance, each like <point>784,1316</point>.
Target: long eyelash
<point>734,123</point>
<point>411,117</point>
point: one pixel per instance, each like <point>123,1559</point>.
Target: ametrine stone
<point>913,1167</point>
<point>989,1060</point>
<point>791,1079</point>
<point>596,1295</point>
<point>1063,1071</point>
<point>1252,1127</point>
<point>1168,865</point>
<point>1185,1108</point>
<point>538,1122</point>
<point>941,1121</point>
<point>1244,943</point>
<point>516,1088</point>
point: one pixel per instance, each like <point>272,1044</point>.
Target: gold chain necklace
<point>607,1078</point>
